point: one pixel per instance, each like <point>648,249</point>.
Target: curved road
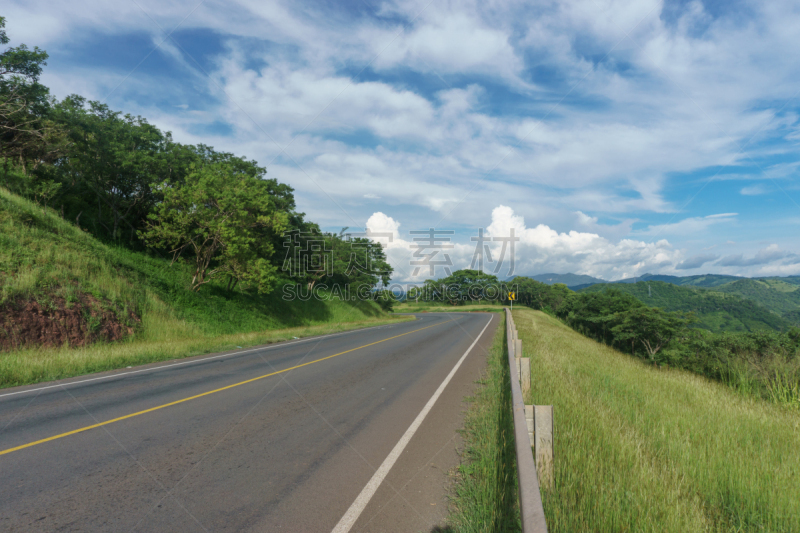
<point>347,432</point>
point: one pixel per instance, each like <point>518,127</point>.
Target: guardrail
<point>528,434</point>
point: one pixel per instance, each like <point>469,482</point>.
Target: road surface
<point>347,432</point>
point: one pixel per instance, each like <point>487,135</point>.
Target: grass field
<point>485,498</point>
<point>644,449</point>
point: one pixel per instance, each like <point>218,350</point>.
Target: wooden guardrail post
<point>543,443</point>
<point>525,375</point>
<point>529,421</point>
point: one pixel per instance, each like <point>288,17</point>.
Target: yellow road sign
<point>512,296</point>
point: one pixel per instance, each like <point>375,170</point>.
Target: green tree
<point>414,293</point>
<point>219,215</point>
<point>596,314</point>
<point>385,298</point>
<point>114,159</point>
<point>651,326</point>
<point>26,134</point>
<point>466,284</point>
<point>320,257</point>
<point>550,298</point>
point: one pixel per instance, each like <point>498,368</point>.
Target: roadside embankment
<point>638,448</point>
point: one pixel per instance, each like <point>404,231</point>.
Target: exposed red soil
<point>29,323</point>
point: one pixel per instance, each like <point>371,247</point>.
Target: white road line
<point>358,506</point>
<point>193,361</point>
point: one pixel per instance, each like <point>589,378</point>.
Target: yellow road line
<point>93,426</point>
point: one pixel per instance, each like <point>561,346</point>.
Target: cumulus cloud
<point>439,46</point>
<point>380,223</point>
<point>542,248</point>
<point>536,249</point>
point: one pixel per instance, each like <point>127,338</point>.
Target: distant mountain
<point>569,279</point>
<point>703,280</point>
<point>776,294</point>
<point>716,311</point>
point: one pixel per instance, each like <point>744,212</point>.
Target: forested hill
<point>716,311</point>
<point>781,295</point>
<point>568,279</point>
<point>702,280</point>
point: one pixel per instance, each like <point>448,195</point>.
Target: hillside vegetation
<point>112,232</point>
<point>81,289</point>
<point>716,310</point>
<point>701,280</point>
<point>761,363</point>
<point>653,450</point>
<point>781,295</point>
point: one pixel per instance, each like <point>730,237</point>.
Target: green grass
<point>485,498</point>
<point>645,449</point>
<point>45,258</point>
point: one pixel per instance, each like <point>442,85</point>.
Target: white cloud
<point>439,46</point>
<point>537,250</point>
<point>598,107</point>
<point>754,190</point>
<point>585,220</point>
<point>696,261</point>
<point>689,226</point>
<point>543,249</point>
<point>384,224</point>
<point>770,254</point>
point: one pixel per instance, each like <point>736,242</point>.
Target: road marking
<point>358,506</point>
<point>118,419</point>
<point>193,361</point>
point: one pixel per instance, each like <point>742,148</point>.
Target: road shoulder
<point>415,494</point>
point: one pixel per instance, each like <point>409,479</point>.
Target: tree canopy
<point>26,133</point>
<point>224,218</point>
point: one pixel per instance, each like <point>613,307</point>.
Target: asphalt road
<point>280,438</point>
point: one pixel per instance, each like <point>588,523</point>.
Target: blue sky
<point>615,137</point>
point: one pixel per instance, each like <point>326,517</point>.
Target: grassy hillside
<point>52,270</point>
<point>653,450</point>
<point>716,311</point>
